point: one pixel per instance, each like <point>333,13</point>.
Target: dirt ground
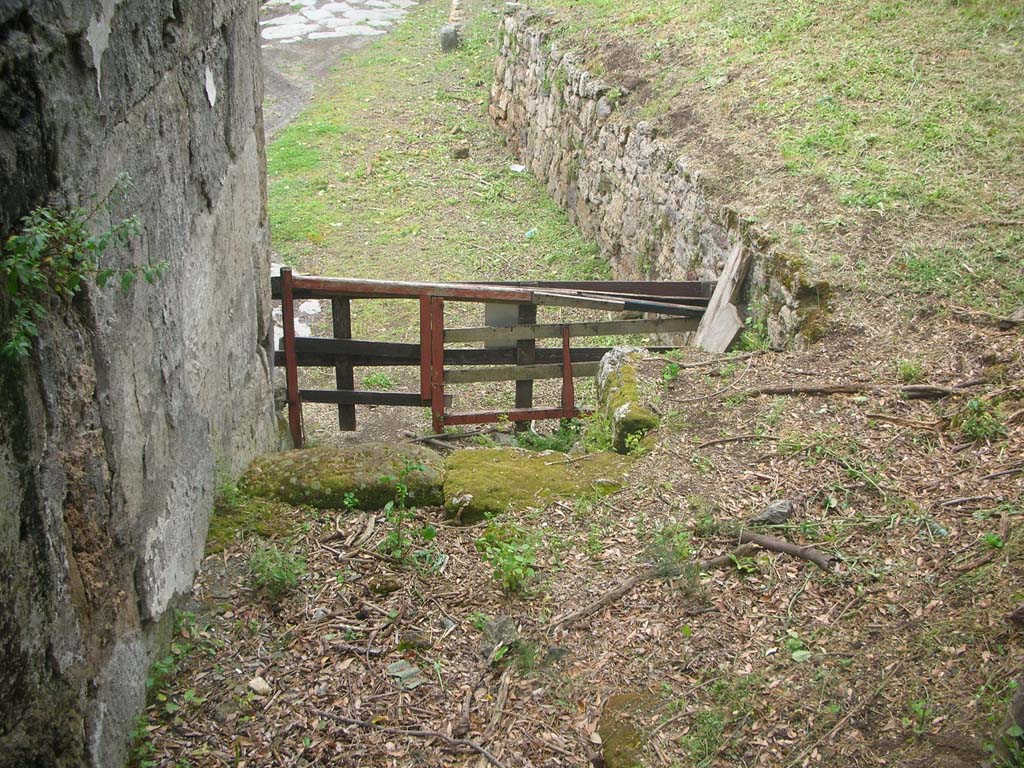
<point>899,441</point>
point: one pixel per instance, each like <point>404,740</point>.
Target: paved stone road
<point>303,40</point>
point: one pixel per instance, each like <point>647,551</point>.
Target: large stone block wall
<point>624,186</point>
<point>114,433</point>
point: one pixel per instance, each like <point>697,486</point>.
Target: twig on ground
<point>809,389</point>
<point>723,390</point>
<point>705,363</point>
<point>774,544</point>
<point>988,557</point>
<point>964,500</point>
<point>748,541</point>
<point>909,391</point>
<point>419,733</point>
<point>499,705</point>
<point>1011,469</point>
<point>930,425</point>
<point>736,439</point>
<point>846,718</point>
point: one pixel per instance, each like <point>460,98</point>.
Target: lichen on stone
<point>481,482</point>
<point>619,395</point>
<point>621,728</point>
<point>365,476</point>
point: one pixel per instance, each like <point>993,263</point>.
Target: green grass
<point>909,113</point>
<point>362,183</point>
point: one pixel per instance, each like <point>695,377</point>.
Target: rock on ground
<point>620,399</point>
<point>489,481</point>
<point>324,477</point>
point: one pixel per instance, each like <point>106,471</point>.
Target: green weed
<point>275,572</point>
<point>512,552</point>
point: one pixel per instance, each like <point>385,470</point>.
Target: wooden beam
<point>526,354</point>
<point>516,414</point>
<point>362,397</point>
<point>452,356</point>
<point>516,373</point>
<point>341,321</point>
<point>333,287</point>
<point>722,323</point>
<point>554,330</point>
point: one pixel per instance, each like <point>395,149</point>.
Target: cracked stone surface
<point>283,24</point>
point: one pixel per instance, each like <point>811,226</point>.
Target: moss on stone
<point>324,477</point>
<point>619,394</point>
<point>243,516</point>
<point>488,481</point>
<point>621,728</point>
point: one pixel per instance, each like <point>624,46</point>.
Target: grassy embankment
<point>881,140</point>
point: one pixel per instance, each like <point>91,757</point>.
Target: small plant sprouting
<point>562,439</point>
<point>909,371</point>
<point>511,552</point>
<point>380,381</point>
<point>275,572</point>
<point>50,259</point>
<point>980,422</point>
<point>398,541</point>
<point>350,501</point>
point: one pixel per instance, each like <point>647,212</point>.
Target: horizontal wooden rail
<point>333,287</point>
<point>363,397</point>
<point>323,353</point>
<point>516,414</point>
<point>612,304</point>
<point>516,373</point>
<point>678,288</point>
<point>554,330</point>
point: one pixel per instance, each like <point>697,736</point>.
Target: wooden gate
<point>510,351</point>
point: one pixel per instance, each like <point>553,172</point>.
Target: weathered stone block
<point>323,477</point>
<point>488,481</point>
<point>619,396</point>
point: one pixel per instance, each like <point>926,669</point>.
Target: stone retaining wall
<point>623,185</point>
<point>113,433</point>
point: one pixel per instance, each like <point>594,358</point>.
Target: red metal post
<point>291,368</point>
<point>437,363</point>
<point>568,392</point>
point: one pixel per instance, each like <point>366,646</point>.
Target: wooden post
<point>526,354</point>
<point>437,363</point>
<point>291,368</point>
<point>341,318</point>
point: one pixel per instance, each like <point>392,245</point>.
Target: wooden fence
<point>510,337</point>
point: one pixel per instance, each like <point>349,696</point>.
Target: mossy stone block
<point>619,395</point>
<point>622,729</point>
<point>323,477</point>
<point>487,481</point>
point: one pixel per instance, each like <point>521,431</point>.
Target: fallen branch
<point>809,389</point>
<point>774,544</point>
<point>980,317</point>
<point>705,363</point>
<point>450,435</point>
<point>737,439</point>
<point>1012,469</point>
<point>416,733</point>
<point>909,391</point>
<point>749,542</point>
<point>934,426</point>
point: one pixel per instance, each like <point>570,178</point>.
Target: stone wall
<point>113,433</point>
<point>625,187</point>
